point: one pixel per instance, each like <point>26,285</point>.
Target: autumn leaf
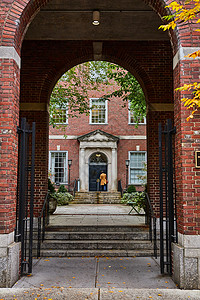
<point>194,54</point>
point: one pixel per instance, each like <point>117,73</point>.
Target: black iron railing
<point>43,221</point>
<point>168,219</point>
<point>120,189</point>
<point>150,219</point>
<point>25,194</point>
<point>75,187</point>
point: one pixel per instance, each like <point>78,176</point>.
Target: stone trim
<point>9,260</point>
<point>34,107</point>
<point>10,53</point>
<point>186,261</point>
<point>132,137</point>
<point>189,241</point>
<point>6,239</point>
<point>181,53</point>
<point>74,137</point>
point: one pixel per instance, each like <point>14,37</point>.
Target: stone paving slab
<point>97,294</point>
<point>103,272</point>
<point>149,294</point>
<point>49,294</point>
<point>94,214</point>
<point>138,272</point>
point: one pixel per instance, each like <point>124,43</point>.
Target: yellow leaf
<point>194,54</point>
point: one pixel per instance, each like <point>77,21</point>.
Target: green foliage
<point>62,198</point>
<point>137,199</point>
<point>51,187</point>
<point>131,189</point>
<point>72,90</point>
<point>62,189</point>
<point>129,90</point>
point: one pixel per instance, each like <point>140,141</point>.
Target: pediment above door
<point>98,136</point>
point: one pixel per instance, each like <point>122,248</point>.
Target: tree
<point>188,13</point>
<point>73,90</point>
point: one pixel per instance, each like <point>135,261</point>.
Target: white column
<point>114,169</point>
<point>82,169</point>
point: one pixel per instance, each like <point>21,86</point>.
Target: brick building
<point>103,140</point>
<point>40,40</point>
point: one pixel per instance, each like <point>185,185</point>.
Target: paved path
<point>81,278</point>
<point>104,272</point>
<point>95,214</point>
<point>58,293</point>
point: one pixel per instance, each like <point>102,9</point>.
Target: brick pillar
<point>186,254</point>
<point>157,113</point>
<point>38,112</point>
<point>9,114</point>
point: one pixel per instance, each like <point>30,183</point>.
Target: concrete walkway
<point>104,272</point>
<point>59,293</point>
<point>96,279</point>
<point>95,214</point>
<point>103,278</point>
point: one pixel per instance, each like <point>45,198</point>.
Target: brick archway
<point>18,17</point>
<point>15,19</point>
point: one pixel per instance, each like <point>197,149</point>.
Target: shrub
<point>62,189</point>
<point>51,187</point>
<point>63,198</point>
<point>131,189</point>
<point>138,199</point>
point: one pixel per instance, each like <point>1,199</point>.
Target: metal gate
<point>25,194</point>
<point>168,228</point>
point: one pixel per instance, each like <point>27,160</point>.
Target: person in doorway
<point>103,182</point>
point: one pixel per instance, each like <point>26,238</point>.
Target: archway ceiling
<point>119,20</point>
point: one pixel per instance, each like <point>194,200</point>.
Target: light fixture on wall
<point>127,165</point>
<point>96,17</point>
<point>69,164</point>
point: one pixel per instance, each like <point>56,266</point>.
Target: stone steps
<point>99,228</point>
<point>96,245</point>
<point>76,236</point>
<point>97,241</point>
<point>97,198</point>
<point>94,253</point>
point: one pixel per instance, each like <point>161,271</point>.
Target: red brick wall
<point>9,110</point>
<point>187,142</point>
<point>41,155</point>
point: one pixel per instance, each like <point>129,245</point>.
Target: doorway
<point>97,163</point>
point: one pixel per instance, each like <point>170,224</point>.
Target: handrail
<point>43,220</point>
<point>120,189</point>
<point>152,229</point>
<point>75,187</point>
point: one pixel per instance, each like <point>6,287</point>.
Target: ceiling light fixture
<point>96,17</point>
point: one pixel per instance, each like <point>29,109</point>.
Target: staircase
<point>97,198</point>
<point>116,241</point>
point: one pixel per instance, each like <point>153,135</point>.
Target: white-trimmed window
<point>58,166</point>
<point>136,167</point>
<point>98,111</point>
<point>131,118</point>
<point>61,116</point>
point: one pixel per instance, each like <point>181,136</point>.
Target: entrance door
<point>98,163</point>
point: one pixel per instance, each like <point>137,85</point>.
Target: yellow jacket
<point>103,178</point>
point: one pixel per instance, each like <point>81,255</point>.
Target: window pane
<point>58,166</point>
<point>137,161</point>
<point>98,111</point>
